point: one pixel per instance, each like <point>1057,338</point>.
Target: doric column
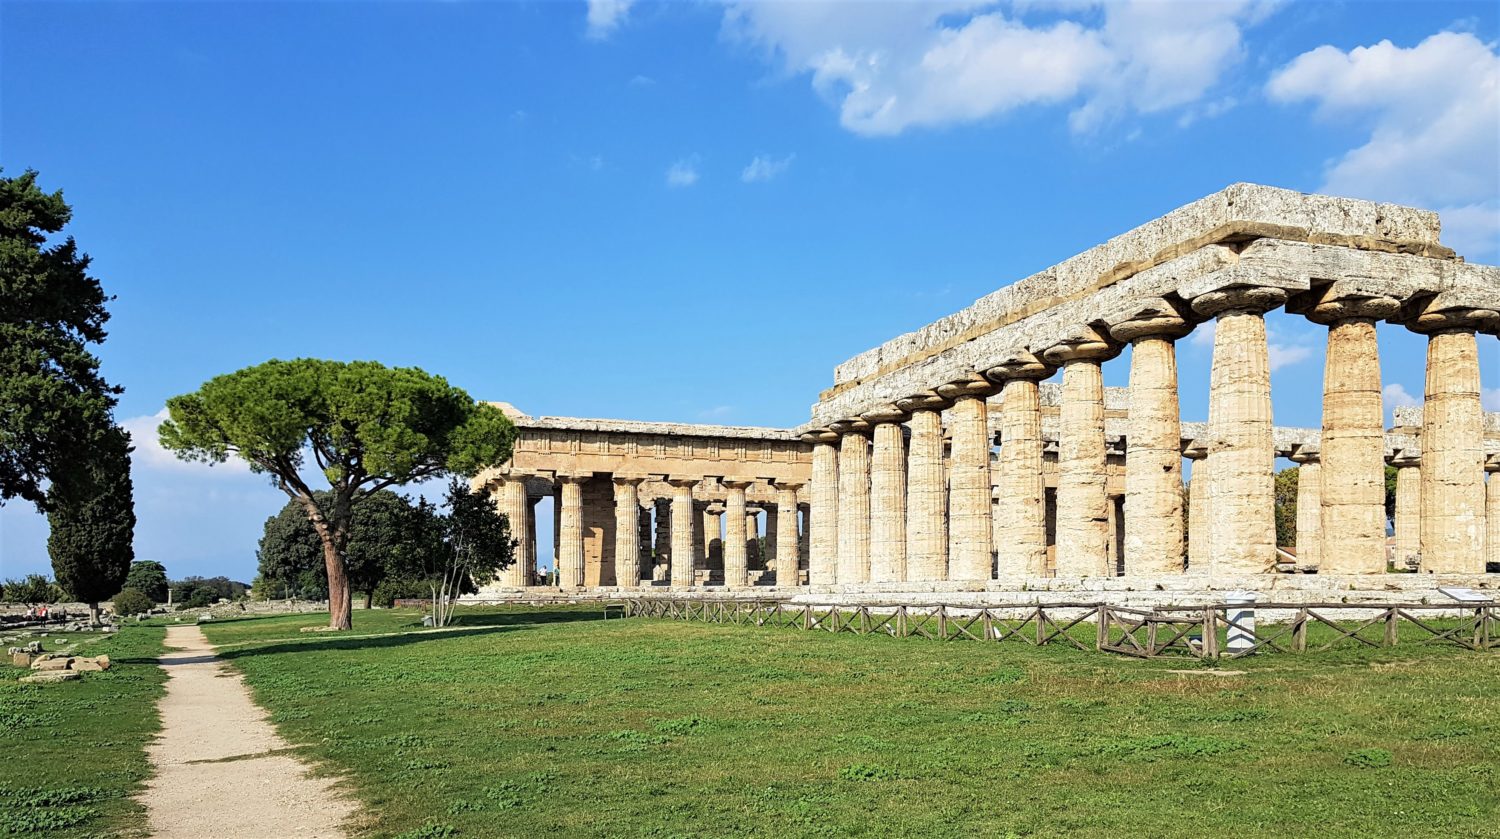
<point>788,556</point>
<point>854,502</point>
<point>1153,444</point>
<point>888,497</point>
<point>804,534</point>
<point>710,536</point>
<point>1021,514</point>
<point>1452,440</point>
<point>1198,517</point>
<point>570,532</point>
<point>627,530</point>
<point>663,530</point>
<point>1353,441</point>
<point>682,531</point>
<point>969,499</point>
<point>773,516</point>
<point>1242,453</point>
<point>646,557</point>
<point>1309,505</point>
<point>822,565</point>
<point>1082,504</point>
<point>531,569</point>
<point>1408,508</point>
<point>752,539</point>
<point>926,492</point>
<point>736,562</point>
<point>515,506</point>
<point>1492,511</point>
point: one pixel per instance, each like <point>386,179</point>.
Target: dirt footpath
<point>221,769</point>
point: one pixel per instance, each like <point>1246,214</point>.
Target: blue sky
<point>661,211</point>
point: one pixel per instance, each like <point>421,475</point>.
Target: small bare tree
<point>471,544</point>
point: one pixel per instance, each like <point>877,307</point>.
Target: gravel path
<point>221,769</point>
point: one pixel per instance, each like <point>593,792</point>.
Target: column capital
<point>1195,450</point>
<point>883,414</point>
<point>1306,453</point>
<point>737,483</point>
<point>791,485</point>
<point>821,435</point>
<point>681,482</point>
<point>573,477</point>
<point>853,425</point>
<point>971,385</point>
<point>1351,298</point>
<point>1406,458</point>
<point>1492,463</point>
<point>1252,299</point>
<point>1084,343</point>
<point>714,508</point>
<point>925,401</point>
<point>1019,364</point>
<point>1152,317</point>
<point>630,479</point>
<point>1450,311</point>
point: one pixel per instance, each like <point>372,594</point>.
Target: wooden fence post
<point>1391,616</point>
<point>1101,627</point>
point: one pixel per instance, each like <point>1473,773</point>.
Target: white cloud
<point>683,173</point>
<point>1433,112</point>
<point>605,16</point>
<point>149,453</point>
<point>716,412</point>
<point>763,168</point>
<point>1285,355</point>
<point>1490,398</point>
<point>1395,395</point>
<point>1203,334</point>
<point>894,66</point>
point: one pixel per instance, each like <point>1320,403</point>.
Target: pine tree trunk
<point>340,612</point>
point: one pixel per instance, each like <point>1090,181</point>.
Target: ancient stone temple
<point>944,457</point>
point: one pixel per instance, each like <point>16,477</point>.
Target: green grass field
<point>72,754</point>
<point>524,722</point>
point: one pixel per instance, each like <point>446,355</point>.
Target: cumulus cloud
<point>764,167</point>
<point>149,453</point>
<point>683,173</point>
<point>1395,395</point>
<point>1433,116</point>
<point>605,16</point>
<point>1285,355</point>
<point>894,66</point>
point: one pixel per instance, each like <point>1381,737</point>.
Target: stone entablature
<point>1266,237</point>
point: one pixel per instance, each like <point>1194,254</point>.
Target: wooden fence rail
<point>1203,631</point>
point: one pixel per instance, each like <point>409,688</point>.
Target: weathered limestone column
<point>787,549</point>
<point>570,532</point>
<point>1242,453</point>
<point>888,498</point>
<point>627,530</point>
<point>1021,516</point>
<point>854,502</point>
<point>1198,517</point>
<point>822,564</point>
<point>516,507</point>
<point>663,530</point>
<point>1082,503</point>
<point>773,516</point>
<point>530,545</point>
<point>1353,441</point>
<point>713,540</point>
<point>752,539</point>
<point>1492,510</point>
<point>736,563</point>
<point>1309,506</point>
<point>682,531</point>
<point>970,501</point>
<point>646,558</point>
<point>1452,443</point>
<point>926,492</point>
<point>804,534</point>
<point>1154,539</point>
<point>1408,507</point>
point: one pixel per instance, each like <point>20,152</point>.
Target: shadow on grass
<point>471,625</point>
